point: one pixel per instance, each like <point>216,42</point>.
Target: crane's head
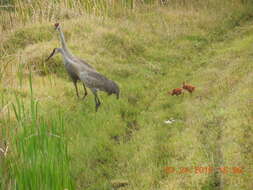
<point>113,89</point>
<point>57,26</point>
<point>55,51</point>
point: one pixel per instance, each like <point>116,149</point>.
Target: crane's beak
<point>51,55</point>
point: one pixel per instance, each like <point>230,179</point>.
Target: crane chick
<point>176,91</point>
<point>188,87</point>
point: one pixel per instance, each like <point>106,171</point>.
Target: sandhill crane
<point>72,74</point>
<point>89,76</point>
<point>79,69</point>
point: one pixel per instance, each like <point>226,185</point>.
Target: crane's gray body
<point>79,69</point>
<point>73,65</point>
<point>96,81</point>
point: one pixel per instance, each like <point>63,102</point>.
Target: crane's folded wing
<point>96,80</point>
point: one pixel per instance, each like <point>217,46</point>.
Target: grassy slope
<point>147,54</point>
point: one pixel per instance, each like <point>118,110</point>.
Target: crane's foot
<point>97,106</point>
<point>85,95</point>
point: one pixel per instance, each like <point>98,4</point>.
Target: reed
<point>20,12</point>
<point>38,156</point>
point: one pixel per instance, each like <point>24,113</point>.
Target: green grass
<point>57,141</point>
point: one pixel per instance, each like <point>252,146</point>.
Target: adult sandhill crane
<point>89,76</point>
<point>72,74</point>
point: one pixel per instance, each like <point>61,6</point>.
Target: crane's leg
<point>97,101</point>
<point>76,89</point>
<point>85,91</point>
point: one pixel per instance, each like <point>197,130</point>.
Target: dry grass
<point>148,51</point>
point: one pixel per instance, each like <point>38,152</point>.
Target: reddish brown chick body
<point>176,91</point>
<point>188,87</point>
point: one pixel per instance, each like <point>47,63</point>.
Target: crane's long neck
<point>65,56</point>
<point>63,42</point>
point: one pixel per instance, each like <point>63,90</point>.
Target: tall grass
<point>18,12</point>
<point>38,153</point>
